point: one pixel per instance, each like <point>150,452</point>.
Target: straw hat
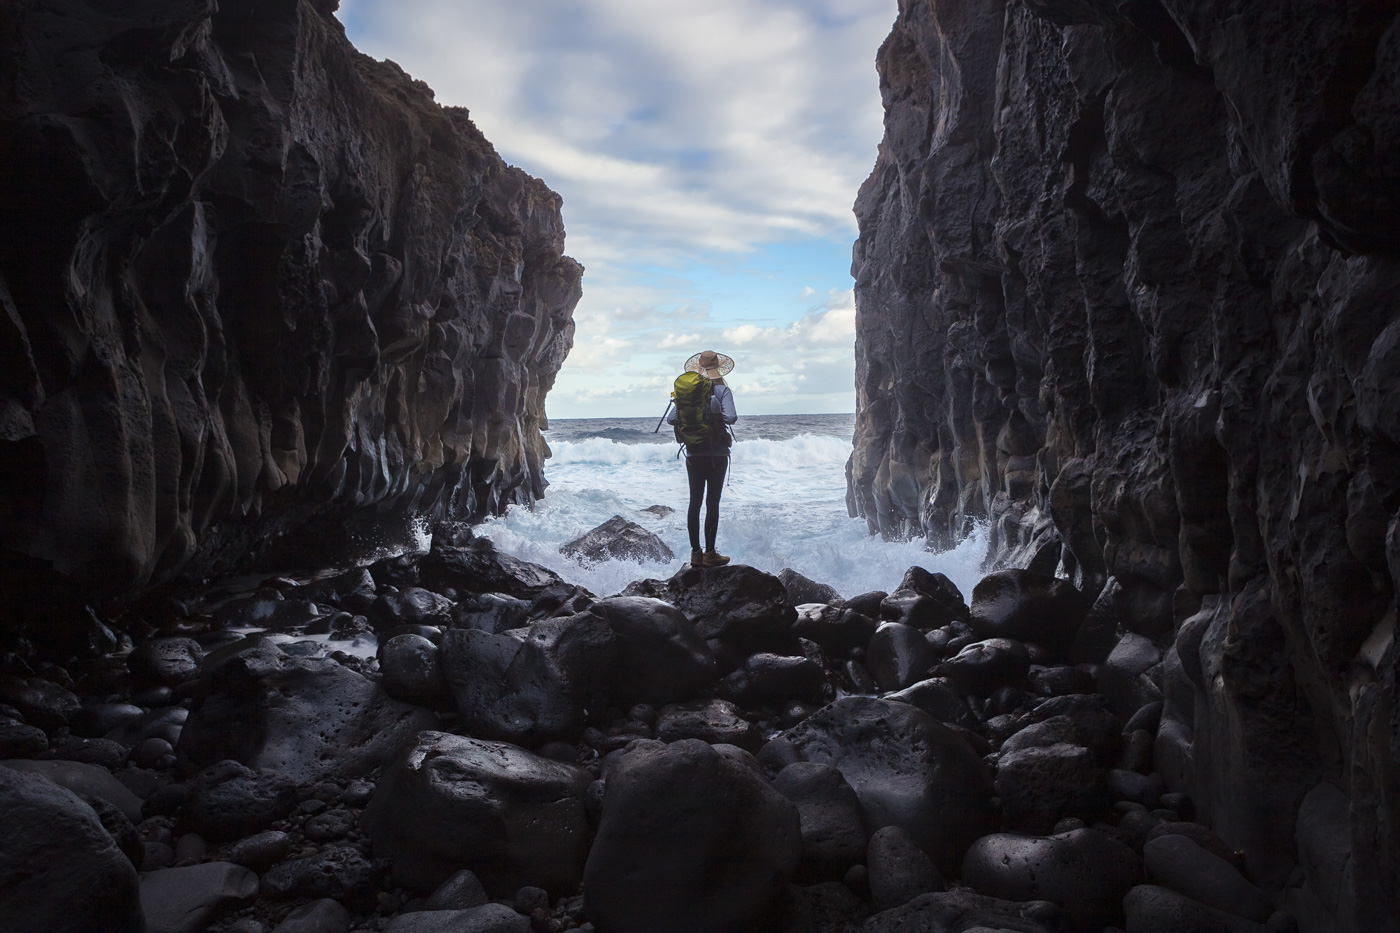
<point>713,365</point>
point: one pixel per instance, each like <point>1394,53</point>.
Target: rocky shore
<point>455,741</point>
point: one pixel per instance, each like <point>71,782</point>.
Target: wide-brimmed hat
<point>713,365</point>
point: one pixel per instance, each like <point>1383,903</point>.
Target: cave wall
<point>1128,292</point>
<point>251,279</point>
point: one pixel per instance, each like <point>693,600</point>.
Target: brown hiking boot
<point>714,559</point>
<point>697,557</point>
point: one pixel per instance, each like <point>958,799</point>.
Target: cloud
<point>681,135</point>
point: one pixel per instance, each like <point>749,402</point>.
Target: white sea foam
<point>784,506</point>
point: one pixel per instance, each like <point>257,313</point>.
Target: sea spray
<point>783,506</point>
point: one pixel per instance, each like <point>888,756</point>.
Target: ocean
<point>784,505</point>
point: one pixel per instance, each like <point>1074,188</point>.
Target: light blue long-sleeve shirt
<point>722,404</point>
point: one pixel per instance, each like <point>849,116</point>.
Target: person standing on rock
<point>707,461</point>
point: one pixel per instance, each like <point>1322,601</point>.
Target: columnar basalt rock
<point>250,277</point>
<point>1126,291</point>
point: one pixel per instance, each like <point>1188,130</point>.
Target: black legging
<point>704,471</point>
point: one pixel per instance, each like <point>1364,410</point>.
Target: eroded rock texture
<point>248,277</point>
<point>1127,290</point>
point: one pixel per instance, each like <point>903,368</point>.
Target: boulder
<point>661,658</point>
<point>802,590</point>
<point>85,780</point>
<point>187,900</point>
<point>228,800</point>
<point>339,872</point>
<point>690,841</point>
<point>981,667</point>
<point>462,891</point>
<point>712,721</point>
<point>531,690</point>
<point>899,870</point>
<point>1125,679</point>
<point>412,670</point>
<point>477,567</point>
<point>898,656</point>
<point>320,916</point>
<point>261,850</point>
<point>937,697</point>
<point>412,605</point>
<point>491,612</point>
<point>618,539</point>
<point>309,719</point>
<point>925,600</point>
<point>1028,606</point>
<point>1178,863</point>
<point>18,740</point>
<point>837,629</point>
<point>59,868</point>
<point>488,918</point>
<point>169,661</point>
<point>833,838</point>
<point>1040,786</point>
<point>95,719</point>
<point>41,702</point>
<point>450,802</point>
<point>745,609</point>
<point>907,769</point>
<point>963,911</point>
<point>773,678</point>
<point>1083,871</point>
<point>1151,908</point>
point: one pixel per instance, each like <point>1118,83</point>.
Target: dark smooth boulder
<point>661,658</point>
<point>965,912</point>
<point>95,719</point>
<point>833,837</point>
<point>1083,871</point>
<point>462,891</point>
<point>307,718</point>
<point>412,605</point>
<point>488,918</point>
<point>745,609</point>
<point>772,678</point>
<point>1202,836</point>
<point>1124,679</point>
<point>690,841</point>
<point>491,612</point>
<point>228,801</point>
<point>52,847</point>
<point>712,721</point>
<point>983,666</point>
<point>899,870</point>
<point>1028,606</point>
<point>837,629</point>
<point>187,899</point>
<point>531,690</point>
<point>1145,789</point>
<point>320,916</point>
<point>943,595</point>
<point>477,567</point>
<point>618,539</point>
<point>451,802</point>
<point>907,769</point>
<point>898,656</point>
<point>802,589</point>
<point>867,604</point>
<point>169,661</point>
<point>1151,908</point>
<point>85,780</point>
<point>1059,680</point>
<point>41,702</point>
<point>412,671</point>
<point>261,850</point>
<point>937,697</point>
<point>162,722</point>
<point>1178,863</point>
<point>1042,785</point>
<point>1093,725</point>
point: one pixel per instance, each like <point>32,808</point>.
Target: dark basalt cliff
<point>249,278</point>
<point>1128,291</point>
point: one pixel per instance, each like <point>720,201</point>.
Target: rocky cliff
<point>1128,292</point>
<point>251,278</point>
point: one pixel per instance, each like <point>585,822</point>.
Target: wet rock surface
<point>618,539</point>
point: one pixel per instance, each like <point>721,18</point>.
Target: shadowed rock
<point>618,539</point>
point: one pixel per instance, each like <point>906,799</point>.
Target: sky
<point>708,154</point>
